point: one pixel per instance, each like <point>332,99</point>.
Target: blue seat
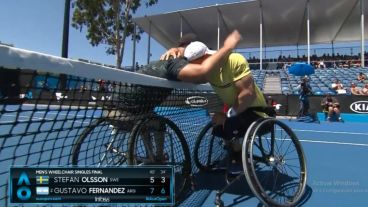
<point>318,93</point>
<point>285,88</point>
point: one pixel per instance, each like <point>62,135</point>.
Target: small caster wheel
<point>218,201</point>
<point>193,184</point>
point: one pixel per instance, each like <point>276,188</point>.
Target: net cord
<point>15,58</point>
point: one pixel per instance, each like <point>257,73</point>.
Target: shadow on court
<point>216,181</point>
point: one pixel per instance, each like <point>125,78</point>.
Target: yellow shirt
<point>222,81</point>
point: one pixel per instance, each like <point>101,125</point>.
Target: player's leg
<point>337,113</point>
<point>238,125</point>
<point>330,113</point>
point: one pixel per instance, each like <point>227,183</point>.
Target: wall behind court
<point>348,104</point>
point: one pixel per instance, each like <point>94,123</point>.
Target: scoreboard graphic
<point>143,185</point>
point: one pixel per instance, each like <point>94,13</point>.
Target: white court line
<point>185,123</point>
<point>56,107</point>
<point>317,141</point>
<point>25,121</point>
<point>41,118</point>
<point>326,142</point>
<point>330,132</point>
<point>49,113</point>
<point>46,113</point>
<point>339,143</point>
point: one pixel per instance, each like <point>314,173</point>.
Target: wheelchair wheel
<point>274,163</point>
<point>208,149</point>
<point>158,141</point>
<point>103,143</point>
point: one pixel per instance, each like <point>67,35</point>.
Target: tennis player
<point>131,107</point>
<point>230,78</point>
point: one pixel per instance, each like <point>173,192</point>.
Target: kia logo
<point>360,107</point>
<point>196,101</point>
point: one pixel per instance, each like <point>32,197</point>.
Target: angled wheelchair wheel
<point>208,149</point>
<point>158,141</point>
<point>102,143</point>
<point>274,163</point>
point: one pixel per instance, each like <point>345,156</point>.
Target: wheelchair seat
<point>269,110</point>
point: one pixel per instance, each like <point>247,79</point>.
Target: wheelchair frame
<point>133,148</point>
<point>252,141</point>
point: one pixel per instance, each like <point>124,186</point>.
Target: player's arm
<point>199,72</point>
<point>246,94</point>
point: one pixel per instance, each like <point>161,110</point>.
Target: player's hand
<point>218,118</point>
<point>232,39</point>
<point>173,52</point>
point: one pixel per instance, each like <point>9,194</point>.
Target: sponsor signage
<point>196,101</point>
<point>359,107</point>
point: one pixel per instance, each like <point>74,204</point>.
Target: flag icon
<point>42,190</point>
<point>40,180</point>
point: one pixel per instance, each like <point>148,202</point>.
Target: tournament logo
<point>24,192</point>
<point>196,101</point>
<point>359,107</point>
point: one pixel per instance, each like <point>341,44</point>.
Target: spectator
<point>331,107</point>
<point>334,65</point>
<point>82,88</point>
<point>361,77</point>
<point>286,65</point>
<point>110,87</point>
<point>136,66</point>
<point>355,90</point>
<point>29,95</point>
<point>338,87</point>
<point>321,64</point>
<point>356,64</point>
<point>271,102</point>
<point>101,84</point>
<point>315,65</point>
<point>364,91</point>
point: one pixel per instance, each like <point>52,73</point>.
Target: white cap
<point>196,50</point>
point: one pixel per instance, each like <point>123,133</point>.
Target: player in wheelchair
<point>276,177</point>
<point>252,140</point>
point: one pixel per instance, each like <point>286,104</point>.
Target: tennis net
<point>62,112</point>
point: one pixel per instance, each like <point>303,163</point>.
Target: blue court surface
<point>337,167</point>
<point>336,156</point>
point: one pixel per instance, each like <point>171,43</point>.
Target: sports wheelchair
<point>151,139</point>
<point>130,132</point>
<point>277,176</point>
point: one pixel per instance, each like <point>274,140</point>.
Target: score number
<point>152,181</point>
